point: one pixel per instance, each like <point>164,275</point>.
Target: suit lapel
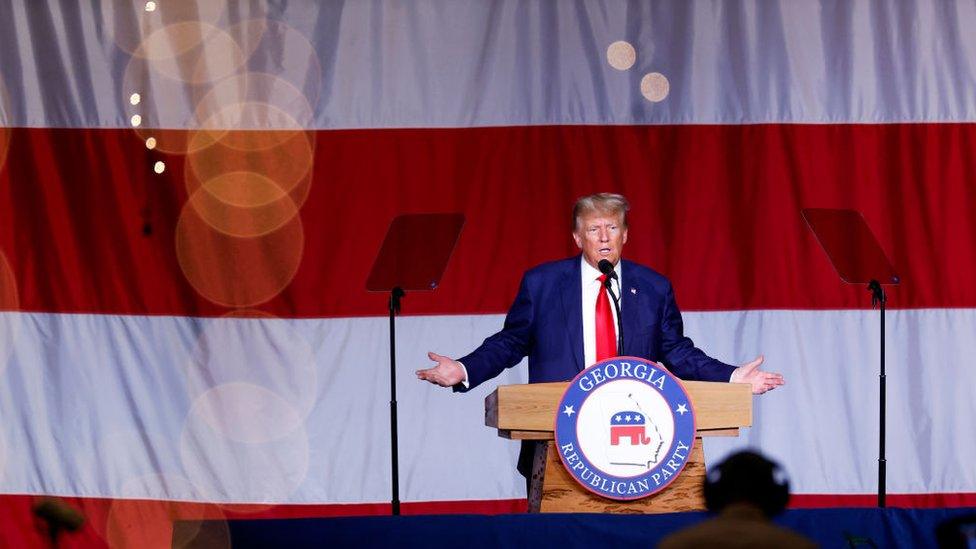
<point>629,294</point>
<point>572,299</point>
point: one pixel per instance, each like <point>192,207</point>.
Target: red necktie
<point>606,333</point>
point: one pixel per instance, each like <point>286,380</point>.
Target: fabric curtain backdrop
<point>185,329</point>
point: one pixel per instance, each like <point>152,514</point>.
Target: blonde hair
<point>600,203</point>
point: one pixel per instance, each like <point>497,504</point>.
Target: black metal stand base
<point>878,298</point>
<point>394,306</point>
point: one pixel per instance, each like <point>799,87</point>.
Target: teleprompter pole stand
<point>413,256</point>
<point>394,305</point>
<point>858,259</point>
<point>878,298</point>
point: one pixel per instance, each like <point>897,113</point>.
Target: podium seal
<point>625,428</point>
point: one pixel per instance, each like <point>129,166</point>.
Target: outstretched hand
<point>447,373</point>
<point>761,381</point>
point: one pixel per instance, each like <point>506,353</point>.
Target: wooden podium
<point>527,412</point>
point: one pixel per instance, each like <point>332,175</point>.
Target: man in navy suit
<point>556,317</point>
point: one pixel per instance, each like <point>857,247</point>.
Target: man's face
<point>601,236</point>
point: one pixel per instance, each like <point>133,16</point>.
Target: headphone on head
<point>747,477</point>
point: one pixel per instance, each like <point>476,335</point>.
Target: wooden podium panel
<point>558,492</point>
<point>527,412</point>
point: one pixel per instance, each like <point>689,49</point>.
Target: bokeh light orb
<point>228,469</point>
<point>621,55</point>
<point>135,521</point>
<point>243,221</point>
<point>269,353</point>
<point>246,412</point>
<point>233,271</point>
<point>191,52</point>
<point>294,58</point>
<point>655,87</point>
<point>129,22</point>
<point>283,157</point>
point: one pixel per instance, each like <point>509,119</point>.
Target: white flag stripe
<point>296,410</point>
<point>503,63</point>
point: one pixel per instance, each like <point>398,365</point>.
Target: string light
<point>160,166</point>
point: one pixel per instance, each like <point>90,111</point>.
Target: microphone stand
<point>616,306</point>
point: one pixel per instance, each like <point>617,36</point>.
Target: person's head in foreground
<point>745,491</point>
<point>747,477</point>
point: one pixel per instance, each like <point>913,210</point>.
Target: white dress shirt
<point>591,287</point>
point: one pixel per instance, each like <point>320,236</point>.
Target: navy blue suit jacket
<point>545,323</point>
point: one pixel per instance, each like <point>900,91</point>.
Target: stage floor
<point>858,527</point>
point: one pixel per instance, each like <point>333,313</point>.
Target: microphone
<point>607,269</point>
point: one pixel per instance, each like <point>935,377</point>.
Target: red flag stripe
<point>723,224</point>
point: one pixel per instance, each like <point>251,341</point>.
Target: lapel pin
<point>633,291</point>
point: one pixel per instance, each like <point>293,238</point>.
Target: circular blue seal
<point>625,428</point>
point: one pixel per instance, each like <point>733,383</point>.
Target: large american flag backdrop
<point>192,194</point>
